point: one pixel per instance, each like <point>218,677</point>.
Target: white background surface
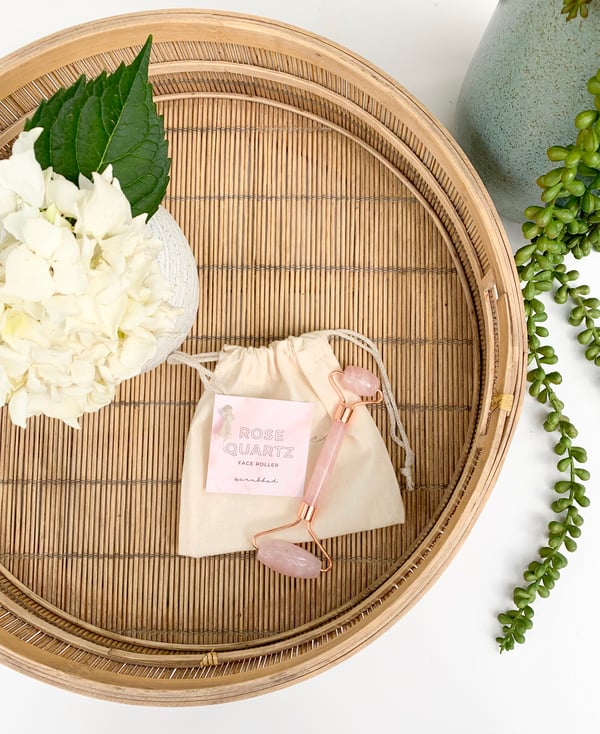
<point>438,667</point>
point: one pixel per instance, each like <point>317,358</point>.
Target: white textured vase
<point>178,266</point>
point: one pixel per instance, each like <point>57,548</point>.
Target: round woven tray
<point>316,194</point>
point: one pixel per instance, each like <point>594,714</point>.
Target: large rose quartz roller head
<point>287,558</point>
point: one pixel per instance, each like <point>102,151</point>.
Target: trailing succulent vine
<point>567,223</point>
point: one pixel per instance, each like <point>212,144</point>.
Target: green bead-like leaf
<point>545,351</point>
<point>572,158</point>
<point>553,192</point>
<point>553,573</point>
<point>568,429</point>
<point>505,644</point>
<point>585,337</point>
<point>528,612</point>
<point>561,294</point>
<point>579,454</point>
<point>560,448</point>
<point>530,230</point>
<point>558,153</point>
<point>560,505</point>
<point>586,119</point>
<point>535,388</point>
<point>593,86</point>
<point>552,421</point>
<point>582,474</point>
<point>559,561</point>
<point>548,582</point>
<point>524,254</point>
<point>546,181</point>
<point>592,352</point>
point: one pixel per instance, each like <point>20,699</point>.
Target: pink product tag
<point>258,446</point>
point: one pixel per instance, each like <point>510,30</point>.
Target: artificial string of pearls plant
<point>567,223</point>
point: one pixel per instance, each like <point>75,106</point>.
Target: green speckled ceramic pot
<point>523,88</point>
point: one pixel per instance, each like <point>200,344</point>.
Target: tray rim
<point>48,50</point>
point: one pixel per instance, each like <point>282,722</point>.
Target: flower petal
<point>17,408</point>
<point>27,276</point>
<point>21,173</point>
<point>63,194</point>
<point>103,209</point>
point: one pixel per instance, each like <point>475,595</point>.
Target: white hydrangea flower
<point>82,299</point>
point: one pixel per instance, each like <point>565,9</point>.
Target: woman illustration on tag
<point>227,415</point>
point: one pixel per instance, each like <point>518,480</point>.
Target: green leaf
<point>579,454</point>
<point>576,518</point>
<point>558,560</point>
<point>561,504</point>
<point>524,254</point>
<point>551,422</point>
<point>111,120</point>
<point>45,116</point>
<point>585,337</point>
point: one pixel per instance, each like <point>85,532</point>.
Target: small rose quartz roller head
<point>290,559</point>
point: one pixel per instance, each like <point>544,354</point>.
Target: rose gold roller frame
<point>281,555</point>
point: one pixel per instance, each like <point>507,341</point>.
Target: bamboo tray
<point>316,193</point>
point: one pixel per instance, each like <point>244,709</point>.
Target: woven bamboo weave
<point>316,194</point>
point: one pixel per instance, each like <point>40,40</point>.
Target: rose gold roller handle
<point>361,382</point>
<point>325,462</point>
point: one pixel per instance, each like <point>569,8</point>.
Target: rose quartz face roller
<point>290,559</point>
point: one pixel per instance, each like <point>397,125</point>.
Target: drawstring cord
<point>398,434</point>
<point>198,362</point>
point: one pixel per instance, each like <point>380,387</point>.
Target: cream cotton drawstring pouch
<point>362,492</point>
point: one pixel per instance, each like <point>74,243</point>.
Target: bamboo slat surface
<point>316,194</point>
